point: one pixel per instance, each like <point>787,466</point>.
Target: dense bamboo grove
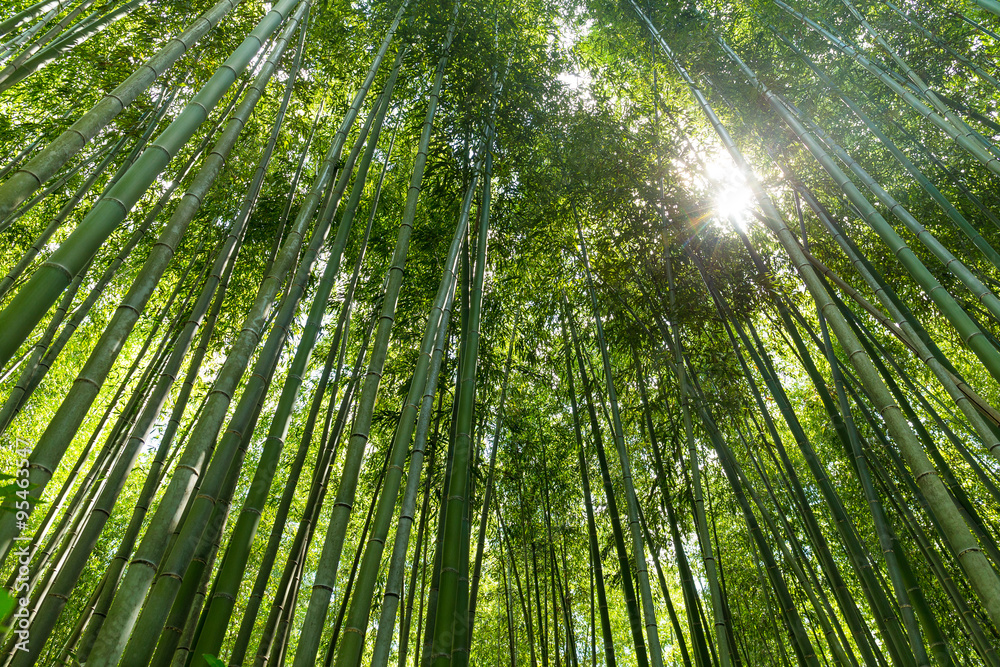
<point>484,333</point>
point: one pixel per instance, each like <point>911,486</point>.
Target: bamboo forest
<point>451,333</point>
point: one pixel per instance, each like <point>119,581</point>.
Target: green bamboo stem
<point>452,614</point>
<point>238,551</point>
<point>66,531</point>
<point>642,574</point>
<point>317,493</point>
<point>158,465</point>
<point>24,152</point>
<point>972,406</point>
<point>927,619</point>
<point>419,560</point>
<point>843,427</point>
<point>8,48</point>
<point>31,380</point>
<point>30,12</point>
<point>183,615</point>
<point>77,30</point>
<point>42,239</point>
<point>992,6</point>
<point>798,550</point>
<point>71,514</point>
<point>917,82</point>
<point>782,530</point>
<point>363,538</point>
<point>424,373</point>
<point>79,33</point>
<point>700,523</point>
<point>41,290</point>
<point>33,48</point>
<point>208,511</point>
<point>731,637</point>
<point>93,615</point>
<point>973,561</point>
<point>912,417</point>
<point>979,640</point>
<point>881,608</point>
<point>805,651</point>
<point>274,540</point>
<point>524,600</point>
<point>842,518</point>
<point>490,482</point>
<point>271,550</point>
<point>280,644</point>
<point>941,121</point>
<point>159,320</point>
<point>980,574</point>
<point>135,442</point>
<point>635,621</point>
<point>971,558</point>
<point>971,334</point>
<point>419,567</point>
<point>113,437</point>
<point>424,593</point>
<point>205,551</point>
<point>975,24</point>
<point>339,341</point>
<point>558,599</point>
<point>210,423</point>
<point>231,449</point>
<point>935,638</point>
<point>21,389</point>
<point>49,160</point>
<point>189,615</point>
<point>65,659</point>
<point>682,562</point>
<point>959,270</point>
<point>397,560</point>
<point>39,365</point>
<point>511,640</point>
<point>390,604</point>
<point>950,174</point>
<point>966,506</point>
<point>942,44</point>
<point>540,605</point>
<point>567,604</point>
<point>294,185</point>
<point>42,575</point>
<point>461,639</point>
<point>672,612</point>
<point>822,609</point>
<point>309,639</point>
<point>433,598</point>
<point>58,435</point>
<point>946,206</point>
<point>428,617</point>
<point>60,183</point>
<point>702,655</point>
<point>595,553</point>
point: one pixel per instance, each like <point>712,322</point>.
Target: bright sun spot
<point>732,199</point>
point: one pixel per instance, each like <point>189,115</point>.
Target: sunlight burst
<point>733,198</point>
<point>733,202</point>
<point>725,198</point>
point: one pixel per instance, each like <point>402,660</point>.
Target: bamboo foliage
<point>707,289</point>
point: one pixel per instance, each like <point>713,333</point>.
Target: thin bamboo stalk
<point>31,302</point>
<point>49,160</point>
